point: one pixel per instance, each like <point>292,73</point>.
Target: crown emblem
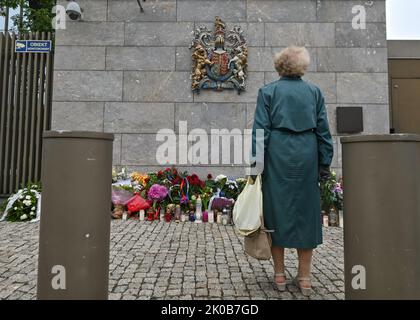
<point>219,58</point>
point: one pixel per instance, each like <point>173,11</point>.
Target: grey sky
<point>403,19</point>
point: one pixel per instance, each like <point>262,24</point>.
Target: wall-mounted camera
<point>73,10</point>
<point>141,7</point>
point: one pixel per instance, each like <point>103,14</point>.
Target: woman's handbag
<point>248,208</point>
<point>258,244</point>
<point>249,220</point>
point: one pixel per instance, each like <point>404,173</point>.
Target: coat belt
<point>292,131</point>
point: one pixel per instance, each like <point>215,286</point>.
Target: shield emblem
<point>219,58</point>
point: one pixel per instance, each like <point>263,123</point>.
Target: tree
<point>36,14</point>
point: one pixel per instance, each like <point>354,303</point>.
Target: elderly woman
<point>298,151</point>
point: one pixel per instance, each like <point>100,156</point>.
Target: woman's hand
<point>324,173</point>
<point>252,177</point>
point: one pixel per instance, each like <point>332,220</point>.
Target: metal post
<point>381,216</point>
<point>75,216</point>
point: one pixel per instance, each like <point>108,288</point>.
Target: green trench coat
<point>297,140</point>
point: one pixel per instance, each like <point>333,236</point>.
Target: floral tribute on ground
<point>332,200</point>
<point>24,205</point>
<point>171,195</point>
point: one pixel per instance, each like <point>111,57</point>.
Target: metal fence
<point>25,110</point>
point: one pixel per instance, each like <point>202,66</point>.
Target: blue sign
<point>33,46</point>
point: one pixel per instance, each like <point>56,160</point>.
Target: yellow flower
<point>139,178</point>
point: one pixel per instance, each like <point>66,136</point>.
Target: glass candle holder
<point>150,214</point>
<point>192,217</point>
<point>168,217</point>
<point>210,216</point>
<point>219,217</point>
<point>177,213</point>
<point>198,216</point>
<point>224,219</point>
<point>141,215</point>
<point>184,216</point>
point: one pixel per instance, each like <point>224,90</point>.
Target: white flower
<point>220,177</point>
<point>23,217</point>
<point>193,198</point>
<point>21,197</point>
<point>28,197</point>
<point>33,209</point>
<point>27,203</point>
<point>15,208</point>
<point>32,213</point>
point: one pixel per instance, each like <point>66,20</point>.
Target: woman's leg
<point>278,257</point>
<point>304,270</point>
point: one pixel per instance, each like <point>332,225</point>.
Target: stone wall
<point>127,72</point>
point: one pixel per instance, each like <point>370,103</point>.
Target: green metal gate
<point>25,110</point>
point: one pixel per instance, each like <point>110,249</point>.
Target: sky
<point>403,19</point>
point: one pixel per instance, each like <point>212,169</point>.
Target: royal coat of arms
<point>219,58</point>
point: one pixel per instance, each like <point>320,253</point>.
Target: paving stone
<point>136,274</point>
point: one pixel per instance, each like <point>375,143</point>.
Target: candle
<point>210,216</point>
<point>325,220</point>
<point>219,217</point>
<point>141,215</point>
<point>162,215</point>
<point>224,219</point>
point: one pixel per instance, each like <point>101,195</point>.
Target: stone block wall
<point>128,73</point>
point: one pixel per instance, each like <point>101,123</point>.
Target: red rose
<point>177,180</point>
<point>194,178</point>
<point>209,176</point>
<point>168,170</point>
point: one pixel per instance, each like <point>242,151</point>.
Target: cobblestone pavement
<point>175,261</point>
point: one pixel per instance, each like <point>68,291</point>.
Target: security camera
<point>73,10</point>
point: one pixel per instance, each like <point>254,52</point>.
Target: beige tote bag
<point>247,211</point>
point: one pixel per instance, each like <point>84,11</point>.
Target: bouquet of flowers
<point>331,193</point>
<point>24,205</point>
<point>119,175</point>
<point>219,203</point>
<point>139,179</point>
<point>338,195</point>
<point>157,193</point>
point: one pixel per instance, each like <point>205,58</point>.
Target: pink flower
<point>157,192</point>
